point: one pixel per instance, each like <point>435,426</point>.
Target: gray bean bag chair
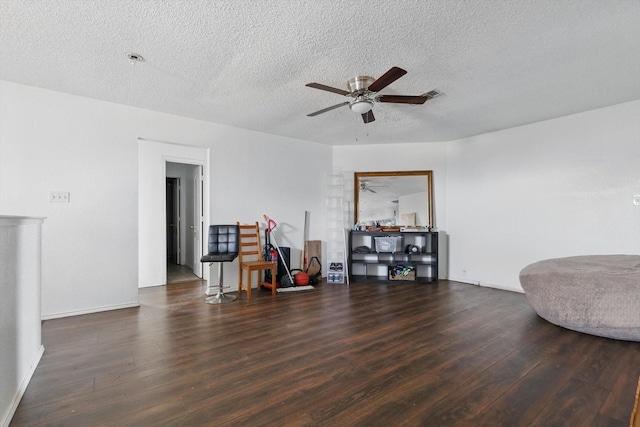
<point>594,294</point>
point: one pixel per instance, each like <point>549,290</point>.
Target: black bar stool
<point>223,247</point>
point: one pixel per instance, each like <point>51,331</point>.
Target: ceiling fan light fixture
<point>361,105</point>
<point>364,93</point>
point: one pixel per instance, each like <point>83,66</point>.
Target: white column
<point>20,311</point>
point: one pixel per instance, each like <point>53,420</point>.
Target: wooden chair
<point>250,259</point>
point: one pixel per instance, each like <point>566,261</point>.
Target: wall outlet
<point>59,196</point>
<point>636,200</point>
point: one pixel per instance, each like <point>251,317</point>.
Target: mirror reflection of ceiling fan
<point>366,186</point>
<point>363,90</point>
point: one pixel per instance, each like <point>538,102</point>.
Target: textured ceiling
<point>499,63</point>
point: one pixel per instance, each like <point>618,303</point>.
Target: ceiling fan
<point>363,90</point>
<point>366,186</point>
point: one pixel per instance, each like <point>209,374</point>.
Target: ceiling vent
<point>135,58</point>
<point>432,94</point>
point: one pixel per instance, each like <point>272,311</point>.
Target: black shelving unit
<point>415,251</point>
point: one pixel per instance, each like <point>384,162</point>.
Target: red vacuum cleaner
<point>271,226</point>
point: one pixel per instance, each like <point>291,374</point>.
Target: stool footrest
<point>220,298</point>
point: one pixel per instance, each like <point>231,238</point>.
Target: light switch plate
<point>59,196</point>
<point>636,200</point>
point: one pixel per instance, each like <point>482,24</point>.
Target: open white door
<point>199,232</point>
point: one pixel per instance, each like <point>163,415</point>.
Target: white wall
<point>502,200</point>
<point>54,141</point>
<point>557,188</point>
<point>256,174</point>
<point>506,199</point>
<point>51,141</point>
<point>251,174</point>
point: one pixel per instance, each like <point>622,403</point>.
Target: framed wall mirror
<point>393,199</point>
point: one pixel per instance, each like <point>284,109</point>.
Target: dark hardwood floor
<point>446,354</point>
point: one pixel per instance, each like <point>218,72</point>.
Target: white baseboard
<point>151,285</point>
<point>22,388</point>
<point>464,280</point>
<point>90,310</point>
<point>486,285</point>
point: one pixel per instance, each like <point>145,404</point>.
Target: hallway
<point>179,273</point>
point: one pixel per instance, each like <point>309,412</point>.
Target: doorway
<point>152,173</point>
<point>184,218</point>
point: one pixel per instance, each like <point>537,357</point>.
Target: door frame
<point>201,202</point>
<point>200,234</point>
<point>152,158</point>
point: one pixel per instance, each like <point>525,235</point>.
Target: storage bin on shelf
<point>387,243</point>
<point>401,273</point>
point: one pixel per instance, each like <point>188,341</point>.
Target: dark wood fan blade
<point>386,79</point>
<point>342,104</point>
<point>327,88</point>
<point>368,118</point>
<point>402,99</point>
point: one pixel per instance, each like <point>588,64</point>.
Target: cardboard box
<point>402,273</point>
<point>312,259</point>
